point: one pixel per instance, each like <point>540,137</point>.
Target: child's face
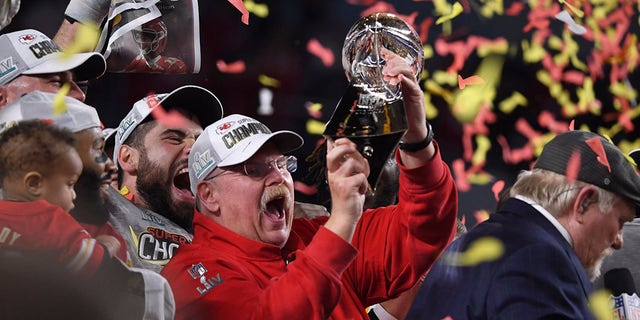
<point>58,184</point>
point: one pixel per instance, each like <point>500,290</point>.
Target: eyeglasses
<point>259,170</point>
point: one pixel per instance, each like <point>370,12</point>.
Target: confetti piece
<point>460,175</point>
<point>240,6</point>
<point>497,188</point>
<point>59,104</point>
<point>596,146</point>
<point>514,156</point>
<point>317,49</point>
<point>481,216</point>
<point>509,104</point>
<point>547,120</point>
<point>485,249</point>
<point>305,188</point>
<point>573,166</point>
<point>259,9</point>
<point>571,125</point>
<point>577,11</point>
<point>171,119</point>
<point>600,305</point>
<point>268,81</point>
<point>455,11</point>
<point>85,40</point>
<point>379,6</point>
<point>514,9</point>
<point>472,80</point>
<point>481,178</point>
<point>314,109</point>
<point>315,127</point>
<point>565,17</point>
<point>483,144</point>
<point>265,96</point>
<point>233,67</point>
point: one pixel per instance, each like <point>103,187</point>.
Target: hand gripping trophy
<point>371,112</point>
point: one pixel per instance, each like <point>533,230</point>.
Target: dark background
<point>276,46</point>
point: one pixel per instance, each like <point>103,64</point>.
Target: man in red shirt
<point>250,259</point>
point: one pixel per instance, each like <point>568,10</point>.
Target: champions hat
<point>620,179</point>
<point>39,105</point>
<point>197,100</point>
<point>233,140</point>
<point>31,52</point>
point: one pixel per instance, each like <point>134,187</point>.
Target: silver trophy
<point>371,112</point>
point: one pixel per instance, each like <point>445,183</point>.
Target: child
<point>38,169</point>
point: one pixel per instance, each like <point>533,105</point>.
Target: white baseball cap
<point>197,100</point>
<point>32,52</point>
<point>233,140</point>
<point>39,105</point>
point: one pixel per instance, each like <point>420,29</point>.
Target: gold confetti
<point>259,9</point>
<point>315,127</point>
<point>600,305</point>
<point>485,249</point>
<point>85,40</point>
<point>59,105</point>
<point>455,11</point>
<point>268,81</point>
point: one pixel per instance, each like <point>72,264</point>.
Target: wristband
<point>417,146</point>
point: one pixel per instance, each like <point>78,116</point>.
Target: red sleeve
<point>308,288</point>
<point>400,243</point>
<point>49,229</point>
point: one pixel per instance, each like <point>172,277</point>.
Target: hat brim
<point>197,100</point>
<point>286,141</point>
<point>86,66</point>
<point>635,155</point>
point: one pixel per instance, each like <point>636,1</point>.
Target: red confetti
<point>514,9</point>
<point>596,145</point>
<point>240,6</point>
<point>380,6</point>
<point>462,83</point>
<point>460,175</point>
<point>515,155</point>
<point>171,119</point>
<point>425,25</point>
<point>497,188</point>
<point>325,54</point>
<point>573,166</point>
<point>546,120</point>
<point>305,188</point>
<point>233,67</point>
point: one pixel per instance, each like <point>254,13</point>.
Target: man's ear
<point>586,196</point>
<point>208,198</point>
<point>34,183</point>
<point>128,158</point>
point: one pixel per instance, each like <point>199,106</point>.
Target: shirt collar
<point>549,217</point>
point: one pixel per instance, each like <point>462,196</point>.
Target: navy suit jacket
<point>538,276</point>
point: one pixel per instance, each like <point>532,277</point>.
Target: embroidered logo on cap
<point>202,162</point>
<point>7,67</point>
<point>27,38</point>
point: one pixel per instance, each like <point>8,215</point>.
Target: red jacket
<point>39,226</point>
<point>317,275</point>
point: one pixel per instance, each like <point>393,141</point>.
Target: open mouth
<point>275,208</point>
<point>181,182</point>
<point>275,202</point>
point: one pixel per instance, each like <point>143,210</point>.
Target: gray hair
<point>555,193</point>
